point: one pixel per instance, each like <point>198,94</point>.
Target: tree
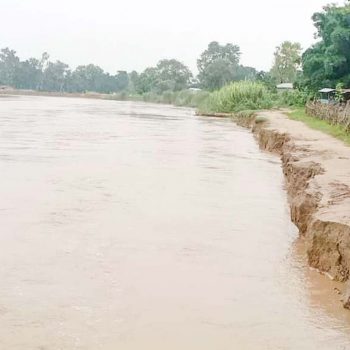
<point>54,76</point>
<point>87,78</point>
<point>286,62</point>
<point>218,65</point>
<point>172,75</point>
<point>29,74</point>
<point>133,81</point>
<point>9,67</point>
<point>92,78</point>
<point>327,62</point>
<point>246,73</point>
<point>168,75</point>
<point>121,81</point>
<point>217,74</point>
<point>266,79</point>
<point>147,80</point>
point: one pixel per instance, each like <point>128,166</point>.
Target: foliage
<point>9,65</point>
<point>146,81</point>
<point>217,74</point>
<point>287,59</point>
<point>267,79</point>
<point>219,65</point>
<point>172,75</point>
<point>184,98</point>
<point>293,98</point>
<point>238,96</point>
<point>327,62</point>
<point>338,92</point>
<point>229,52</point>
<point>168,75</point>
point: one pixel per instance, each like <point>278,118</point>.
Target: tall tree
<point>287,60</point>
<point>327,62</point>
<point>218,65</point>
<point>29,74</point>
<point>147,80</point>
<point>168,75</point>
<point>121,81</point>
<point>172,75</point>
<point>54,76</point>
<point>9,67</point>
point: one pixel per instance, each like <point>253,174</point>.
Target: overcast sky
<point>134,34</point>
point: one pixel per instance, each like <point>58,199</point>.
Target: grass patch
<point>336,131</point>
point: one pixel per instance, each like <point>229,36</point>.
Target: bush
<point>238,96</point>
<point>293,98</point>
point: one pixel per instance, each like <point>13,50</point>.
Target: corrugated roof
<point>285,86</point>
<point>326,90</point>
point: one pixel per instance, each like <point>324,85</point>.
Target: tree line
<point>217,65</point>
<point>324,64</point>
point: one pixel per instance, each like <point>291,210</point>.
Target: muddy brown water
<point>135,226</point>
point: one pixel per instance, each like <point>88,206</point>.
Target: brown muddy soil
<point>317,171</point>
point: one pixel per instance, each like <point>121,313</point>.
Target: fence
<point>334,114</point>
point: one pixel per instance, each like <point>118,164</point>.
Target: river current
<point>135,226</point>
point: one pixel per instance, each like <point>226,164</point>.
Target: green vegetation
<point>249,95</point>
<point>297,98</point>
<point>327,62</point>
<point>183,98</point>
<point>287,59</point>
<point>336,131</point>
<point>219,65</point>
<point>238,96</point>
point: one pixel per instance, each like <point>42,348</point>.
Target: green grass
<point>336,131</point>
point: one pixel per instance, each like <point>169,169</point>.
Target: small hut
<point>345,95</point>
<point>284,87</point>
<point>327,95</point>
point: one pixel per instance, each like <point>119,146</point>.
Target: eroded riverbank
<point>317,171</point>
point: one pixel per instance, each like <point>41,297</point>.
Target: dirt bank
<point>317,171</point>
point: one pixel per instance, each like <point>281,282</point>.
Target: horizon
<point>80,33</point>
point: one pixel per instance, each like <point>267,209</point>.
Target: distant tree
<point>217,74</point>
<point>327,62</point>
<point>229,52</point>
<point>133,81</point>
<point>29,74</point>
<point>287,60</point>
<point>121,81</point>
<point>246,73</point>
<point>9,67</point>
<point>172,75</point>
<point>267,79</point>
<point>88,78</point>
<point>218,65</point>
<point>54,76</point>
<point>147,80</point>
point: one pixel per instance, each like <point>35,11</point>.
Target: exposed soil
<point>317,171</point>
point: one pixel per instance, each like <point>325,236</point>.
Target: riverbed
<point>138,226</point>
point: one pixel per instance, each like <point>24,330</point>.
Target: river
<point>136,226</point>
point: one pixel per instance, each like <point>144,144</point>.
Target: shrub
<point>238,96</point>
<point>293,98</point>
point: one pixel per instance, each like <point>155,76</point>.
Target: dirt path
<point>317,169</point>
